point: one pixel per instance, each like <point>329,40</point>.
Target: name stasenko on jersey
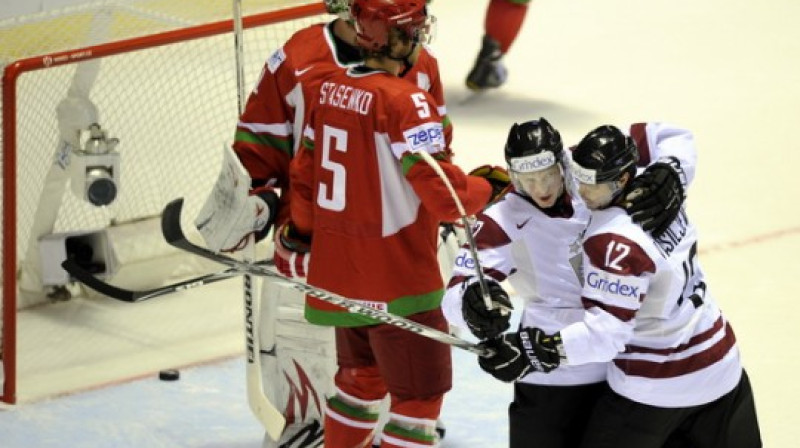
<point>345,97</point>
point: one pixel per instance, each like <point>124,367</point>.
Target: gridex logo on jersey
<point>425,135</point>
<point>534,162</point>
<point>465,261</point>
<point>614,285</point>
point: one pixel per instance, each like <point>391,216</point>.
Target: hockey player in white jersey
<point>674,363</point>
<point>532,237</point>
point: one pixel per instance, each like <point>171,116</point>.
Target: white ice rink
<point>728,70</point>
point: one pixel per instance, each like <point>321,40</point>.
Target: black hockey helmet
<point>533,146</point>
<point>603,155</point>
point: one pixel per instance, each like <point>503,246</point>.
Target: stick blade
<point>171,222</point>
<point>270,417</point>
<point>266,413</point>
<point>88,279</point>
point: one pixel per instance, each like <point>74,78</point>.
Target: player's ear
<point>623,180</point>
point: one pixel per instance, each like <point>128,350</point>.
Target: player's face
<point>401,46</point>
<point>544,186</point>
<point>597,196</point>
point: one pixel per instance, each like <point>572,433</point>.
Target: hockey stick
<point>273,420</point>
<point>128,295</point>
<point>487,299</point>
<point>171,227</point>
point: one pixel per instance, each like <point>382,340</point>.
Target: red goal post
<point>171,99</point>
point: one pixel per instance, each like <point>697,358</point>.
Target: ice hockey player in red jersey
<point>532,239</point>
<point>502,24</point>
<point>268,132</point>
<point>373,207</point>
<point>674,365</point>
<point>267,137</point>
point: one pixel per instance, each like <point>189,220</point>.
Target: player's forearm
<point>598,338</point>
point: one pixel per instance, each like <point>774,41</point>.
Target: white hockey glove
<point>292,251</point>
<point>232,212</point>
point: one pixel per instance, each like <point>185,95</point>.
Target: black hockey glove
<point>656,196</point>
<point>544,352</point>
<point>484,323</point>
<point>516,354</point>
<point>507,363</point>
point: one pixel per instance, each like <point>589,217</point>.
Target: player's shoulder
<point>511,204</point>
<point>426,62</point>
<point>312,32</point>
<point>309,44</point>
<point>615,220</point>
<point>612,237</point>
<point>303,49</point>
<point>511,212</point>
<point>387,85</point>
<point>427,52</point>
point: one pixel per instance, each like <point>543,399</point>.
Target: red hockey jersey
<point>371,203</point>
<point>265,134</point>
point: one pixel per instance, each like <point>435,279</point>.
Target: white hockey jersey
<point>649,310</point>
<point>540,253</point>
<point>533,249</point>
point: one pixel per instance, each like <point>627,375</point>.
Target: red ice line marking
<point>751,240</point>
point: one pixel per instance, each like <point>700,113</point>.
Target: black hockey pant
<point>551,416</point>
<point>728,422</point>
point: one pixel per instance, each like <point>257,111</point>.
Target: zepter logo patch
<point>425,136</point>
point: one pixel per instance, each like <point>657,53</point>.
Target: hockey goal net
<point>160,77</point>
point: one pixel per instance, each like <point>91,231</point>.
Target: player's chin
<point>545,201</point>
<point>597,204</point>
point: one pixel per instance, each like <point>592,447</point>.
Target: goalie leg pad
<point>298,365</point>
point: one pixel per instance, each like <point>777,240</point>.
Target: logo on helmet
<point>532,163</point>
<point>583,175</point>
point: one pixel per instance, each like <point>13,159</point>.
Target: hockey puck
<point>169,375</point>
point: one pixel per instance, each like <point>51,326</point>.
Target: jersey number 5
<point>423,108</point>
<point>331,196</point>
